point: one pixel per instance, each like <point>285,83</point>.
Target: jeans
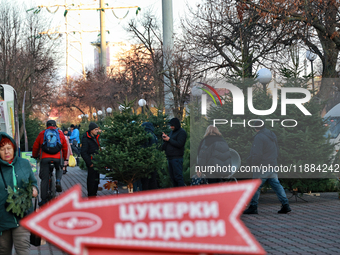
<point>175,167</point>
<point>44,174</point>
<point>92,182</point>
<point>276,186</point>
<point>19,236</point>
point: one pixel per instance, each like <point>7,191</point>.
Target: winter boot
<point>252,209</point>
<point>285,209</point>
<point>58,186</point>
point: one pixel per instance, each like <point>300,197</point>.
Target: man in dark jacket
<point>90,146</point>
<point>174,149</point>
<point>264,152</point>
<point>46,158</point>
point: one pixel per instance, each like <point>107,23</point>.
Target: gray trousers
<point>20,237</point>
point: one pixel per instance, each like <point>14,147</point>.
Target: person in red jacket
<point>45,159</point>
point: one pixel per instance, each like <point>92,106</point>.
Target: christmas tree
<point>304,144</point>
<point>124,155</point>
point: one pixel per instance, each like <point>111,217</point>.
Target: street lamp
<point>264,76</point>
<point>94,114</point>
<point>109,110</point>
<point>311,56</point>
<point>100,113</point>
<point>79,116</point>
<point>142,103</point>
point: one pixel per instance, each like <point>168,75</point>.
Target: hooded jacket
<point>90,146</point>
<point>74,136</point>
<point>214,151</point>
<point>17,174</point>
<point>265,149</point>
<point>37,151</point>
<point>174,148</point>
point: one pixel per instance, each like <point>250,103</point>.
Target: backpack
<point>51,144</point>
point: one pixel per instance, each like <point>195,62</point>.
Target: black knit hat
<point>50,123</point>
<point>93,126</point>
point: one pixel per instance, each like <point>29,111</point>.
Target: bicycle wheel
<point>52,192</point>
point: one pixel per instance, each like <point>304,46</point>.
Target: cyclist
<point>57,158</point>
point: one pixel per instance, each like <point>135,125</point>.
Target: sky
<point>90,21</point>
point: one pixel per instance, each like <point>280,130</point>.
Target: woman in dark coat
<point>16,172</point>
<point>214,158</point>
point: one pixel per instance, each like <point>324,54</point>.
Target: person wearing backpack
<point>50,146</point>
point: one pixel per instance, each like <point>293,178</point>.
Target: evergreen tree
<point>123,156</point>
<point>300,145</point>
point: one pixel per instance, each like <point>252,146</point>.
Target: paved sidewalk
<point>312,227</point>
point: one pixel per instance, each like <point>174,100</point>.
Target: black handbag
<point>34,239</point>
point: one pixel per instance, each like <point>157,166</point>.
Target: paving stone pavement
<point>312,227</point>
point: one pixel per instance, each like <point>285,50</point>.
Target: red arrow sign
<point>191,220</point>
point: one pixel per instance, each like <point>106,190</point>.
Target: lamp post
<point>142,103</point>
<point>100,113</point>
<point>311,56</point>
<point>264,76</point>
<point>109,110</point>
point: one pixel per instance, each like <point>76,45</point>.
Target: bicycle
<point>51,183</point>
<point>51,191</point>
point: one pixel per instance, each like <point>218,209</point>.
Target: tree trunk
<point>329,87</point>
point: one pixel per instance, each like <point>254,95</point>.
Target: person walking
<point>74,135</point>
<point>90,147</point>
<point>50,146</point>
<point>15,172</point>
<point>173,146</point>
<point>75,142</point>
<point>214,151</point>
<point>265,151</point>
<point>69,151</point>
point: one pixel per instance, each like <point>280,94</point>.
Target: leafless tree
<point>232,39</point>
<point>317,26</point>
<point>28,61</point>
<point>178,69</point>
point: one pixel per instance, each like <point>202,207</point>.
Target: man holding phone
<point>173,145</point>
